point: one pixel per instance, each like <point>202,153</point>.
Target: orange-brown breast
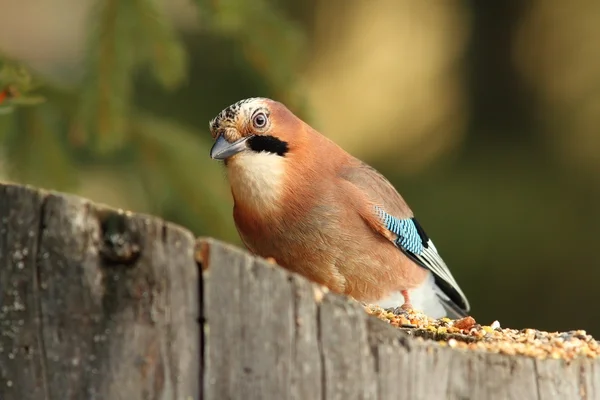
<point>315,226</point>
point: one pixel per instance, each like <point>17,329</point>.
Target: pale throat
<point>256,179</point>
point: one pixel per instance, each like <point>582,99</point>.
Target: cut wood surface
<point>100,304</point>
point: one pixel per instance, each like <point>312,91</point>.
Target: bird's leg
<point>406,306</point>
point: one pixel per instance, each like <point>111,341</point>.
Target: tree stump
<point>97,303</point>
<point>94,303</point>
<point>273,335</point>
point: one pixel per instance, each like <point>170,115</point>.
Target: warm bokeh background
<point>485,117</point>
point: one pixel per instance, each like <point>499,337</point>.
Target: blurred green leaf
<point>6,125</point>
<point>28,100</point>
<point>16,85</point>
<point>6,109</point>
<point>13,73</point>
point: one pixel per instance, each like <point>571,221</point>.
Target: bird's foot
<point>400,311</point>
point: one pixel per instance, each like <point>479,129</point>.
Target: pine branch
<point>272,43</point>
<point>128,35</point>
<point>107,92</point>
<point>16,87</point>
<point>166,52</point>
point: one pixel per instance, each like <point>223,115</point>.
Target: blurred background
<point>485,117</point>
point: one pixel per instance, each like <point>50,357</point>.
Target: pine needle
<point>128,35</point>
<point>272,43</point>
<point>107,92</point>
<point>167,54</point>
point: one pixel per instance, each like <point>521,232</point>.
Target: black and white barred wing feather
<point>414,242</point>
<point>411,239</point>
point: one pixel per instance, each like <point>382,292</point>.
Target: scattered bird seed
<point>466,333</point>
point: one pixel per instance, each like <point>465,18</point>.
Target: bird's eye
<point>259,120</point>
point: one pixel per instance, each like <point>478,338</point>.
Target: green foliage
<point>165,162</point>
<point>163,49</point>
<point>271,41</point>
<point>100,121</point>
<point>16,87</point>
<point>129,34</point>
<point>37,157</point>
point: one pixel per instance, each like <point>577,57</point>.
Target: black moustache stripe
<point>269,144</point>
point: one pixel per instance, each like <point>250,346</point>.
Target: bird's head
<point>267,151</point>
<point>254,125</point>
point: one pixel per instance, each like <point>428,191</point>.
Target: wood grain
<point>96,303</point>
<point>340,352</point>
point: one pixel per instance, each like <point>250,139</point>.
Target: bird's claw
<point>400,311</point>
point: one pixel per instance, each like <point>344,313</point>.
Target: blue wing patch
<point>413,241</point>
<point>408,234</point>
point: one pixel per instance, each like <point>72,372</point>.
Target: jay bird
<point>322,213</point>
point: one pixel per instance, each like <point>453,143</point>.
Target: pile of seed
<point>466,333</point>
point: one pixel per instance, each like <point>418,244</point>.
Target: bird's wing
<point>387,213</point>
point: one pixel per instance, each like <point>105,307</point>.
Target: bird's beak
<point>222,149</point>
